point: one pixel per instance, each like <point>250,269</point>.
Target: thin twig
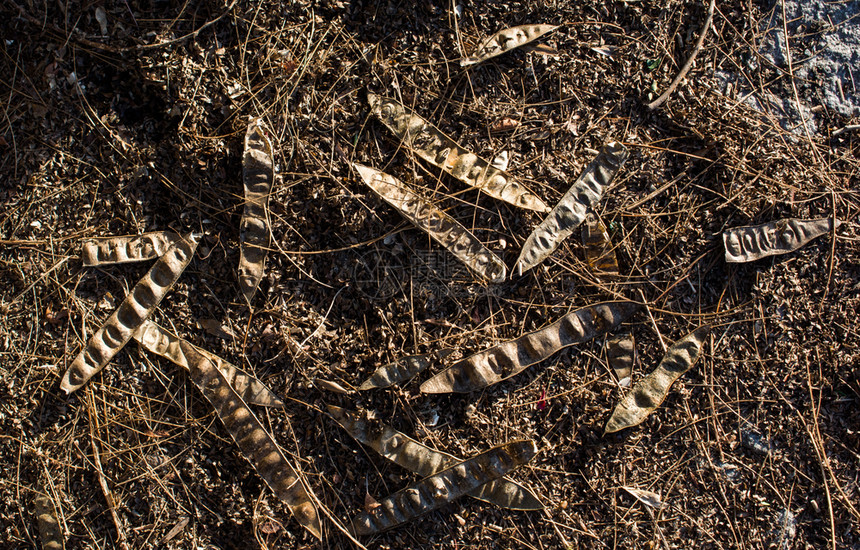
<point>686,68</point>
<point>844,129</point>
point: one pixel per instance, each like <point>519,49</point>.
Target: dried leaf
<point>439,150</point>
<point>48,519</point>
<point>751,243</point>
<point>424,461</point>
<point>505,124</point>
<point>131,313</point>
<point>258,446</point>
<point>505,41</point>
<point>650,391</point>
<point>131,248</point>
<point>443,487</point>
<point>647,498</point>
<point>444,229</point>
<point>570,210</point>
<point>599,252</point>
<point>620,353</point>
<point>178,528</point>
<point>158,340</point>
<point>402,370</point>
<point>217,328</point>
<point>258,172</point>
<point>509,358</point>
<point>333,387</point>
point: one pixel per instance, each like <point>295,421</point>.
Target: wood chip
<point>751,243</point>
<point>505,41</point>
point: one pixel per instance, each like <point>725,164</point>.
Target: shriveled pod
<point>258,173</point>
<point>505,41</point>
<point>441,227</point>
<point>620,353</point>
<point>429,143</point>
<point>127,249</point>
<point>402,370</point>
<point>650,391</point>
<point>48,520</point>
<point>599,252</point>
<point>424,461</point>
<point>500,362</point>
<point>158,340</point>
<point>257,444</point>
<point>131,313</point>
<point>571,209</point>
<point>751,243</point>
<point>443,487</point>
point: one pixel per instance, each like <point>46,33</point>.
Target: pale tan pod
<point>505,41</point>
<point>429,143</point>
<point>160,341</point>
<point>402,370</point>
<point>441,227</point>
<point>443,487</point>
<point>131,313</point>
<point>258,446</point>
<point>504,360</point>
<point>599,252</point>
<point>424,461</point>
<point>751,243</point>
<point>571,209</point>
<point>48,520</point>
<point>650,391</point>
<point>126,249</point>
<point>258,172</point>
<point>620,353</point>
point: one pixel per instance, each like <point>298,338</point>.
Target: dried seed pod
<point>131,313</point>
<point>424,461</point>
<point>650,391</point>
<point>429,143</point>
<point>620,353</point>
<point>443,487</point>
<point>258,172</point>
<point>131,248</point>
<point>751,243</point>
<point>570,210</point>
<point>158,340</point>
<point>444,229</point>
<point>500,362</point>
<point>599,252</point>
<point>402,370</point>
<point>258,446</point>
<point>48,519</point>
<point>505,41</point>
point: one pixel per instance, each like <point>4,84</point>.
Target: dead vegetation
<point>131,119</point>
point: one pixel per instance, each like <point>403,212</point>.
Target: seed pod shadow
<point>258,174</point>
<point>506,40</point>
<point>751,243</point>
<point>126,249</point>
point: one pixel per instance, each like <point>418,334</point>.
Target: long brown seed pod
<point>158,340</point>
<point>571,209</point>
<point>599,253</point>
<point>441,227</point>
<point>443,487</point>
<point>131,313</point>
<point>650,391</point>
<point>402,370</point>
<point>429,143</point>
<point>620,353</point>
<point>750,243</point>
<point>258,172</point>
<point>505,41</point>
<point>257,444</point>
<point>424,461</point>
<point>500,362</point>
<point>48,521</point>
<point>131,248</point>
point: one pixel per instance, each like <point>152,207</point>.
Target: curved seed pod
<point>599,252</point>
<point>258,172</point>
<point>571,209</point>
<point>500,362</point>
<point>48,520</point>
<point>750,243</point>
<point>402,370</point>
<point>443,487</point>
<point>505,41</point>
<point>131,248</point>
<point>429,143</point>
<point>258,446</point>
<point>424,461</point>
<point>131,313</point>
<point>158,340</point>
<point>444,229</point>
<point>650,391</point>
<point>620,353</point>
